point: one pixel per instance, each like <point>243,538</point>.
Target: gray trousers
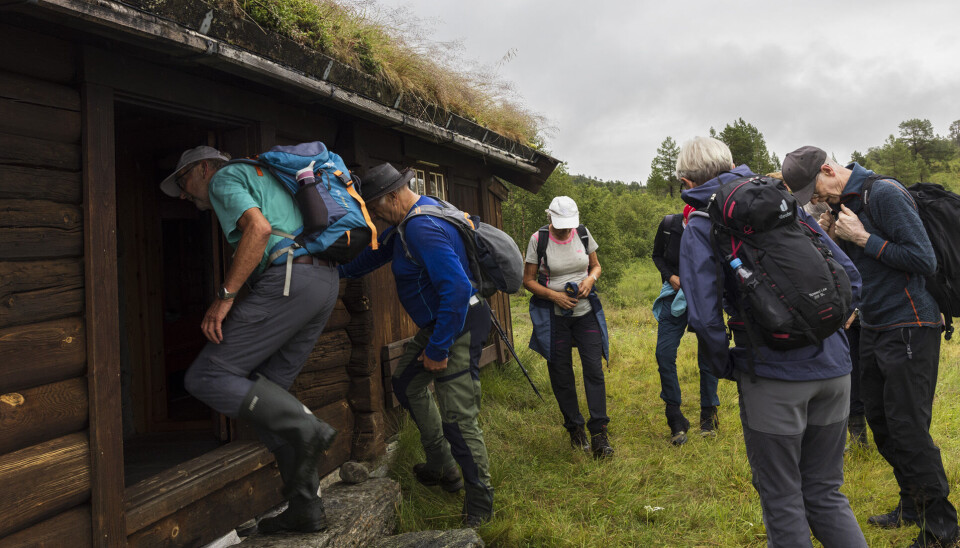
<point>265,333</point>
<point>795,434</point>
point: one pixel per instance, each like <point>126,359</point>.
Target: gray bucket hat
<point>187,160</point>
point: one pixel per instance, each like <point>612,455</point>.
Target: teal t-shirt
<point>236,188</point>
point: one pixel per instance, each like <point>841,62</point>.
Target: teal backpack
<point>336,224</point>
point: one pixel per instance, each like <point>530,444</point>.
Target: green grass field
<point>650,493</point>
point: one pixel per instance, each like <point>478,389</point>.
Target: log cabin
<point>104,280</point>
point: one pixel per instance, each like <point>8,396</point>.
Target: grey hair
<point>702,159</point>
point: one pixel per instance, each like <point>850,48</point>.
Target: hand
<point>850,320</point>
<point>213,320</point>
<point>432,365</point>
<point>675,282</point>
<point>850,228</point>
<point>827,224</point>
<point>563,300</point>
<point>585,286</point>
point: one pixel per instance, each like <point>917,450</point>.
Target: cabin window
<point>429,182</point>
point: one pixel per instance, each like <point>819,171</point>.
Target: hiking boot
<point>601,445</point>
<point>578,439</point>
<point>708,421</point>
<point>890,520</point>
<point>301,516</point>
<point>450,480</point>
<point>473,522</point>
<point>678,425</point>
<point>857,427</point>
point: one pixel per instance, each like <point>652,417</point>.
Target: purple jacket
<point>698,276</point>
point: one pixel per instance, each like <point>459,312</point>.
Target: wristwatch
<point>225,295</point>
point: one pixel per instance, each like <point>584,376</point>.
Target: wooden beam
<point>102,323</point>
<point>36,291</point>
<point>332,350</point>
<point>39,121</point>
<point>17,149</point>
<point>43,480</point>
<point>38,55</point>
<point>162,495</point>
<point>31,416</point>
<point>32,91</point>
<point>71,528</point>
<point>37,183</point>
<point>57,351</point>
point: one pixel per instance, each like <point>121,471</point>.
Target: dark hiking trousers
<point>898,380</point>
<point>265,333</point>
<point>856,401</point>
<point>450,434</point>
<point>585,332</point>
<point>795,432</point>
<point>670,330</point>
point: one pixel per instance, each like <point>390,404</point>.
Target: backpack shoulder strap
<point>543,238</point>
<point>584,236</point>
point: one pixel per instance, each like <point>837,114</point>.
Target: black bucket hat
<point>383,179</point>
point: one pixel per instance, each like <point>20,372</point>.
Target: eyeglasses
<point>182,179</point>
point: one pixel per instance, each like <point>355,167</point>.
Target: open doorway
<point>170,263</point>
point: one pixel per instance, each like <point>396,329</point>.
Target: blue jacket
<point>698,275</point>
<point>435,288</point>
<point>542,317</point>
<point>896,258</point>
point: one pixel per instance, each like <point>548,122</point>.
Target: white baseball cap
<point>187,160</point>
<point>563,213</point>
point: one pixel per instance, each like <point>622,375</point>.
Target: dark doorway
<point>170,263</point>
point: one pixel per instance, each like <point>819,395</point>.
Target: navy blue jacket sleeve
<point>698,277</point>
<point>908,249</point>
<point>433,247</point>
<point>369,259</point>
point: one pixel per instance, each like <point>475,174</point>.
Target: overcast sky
<point>615,77</point>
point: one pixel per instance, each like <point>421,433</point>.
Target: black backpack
<point>939,210</point>
<point>790,291</point>
<point>495,259</point>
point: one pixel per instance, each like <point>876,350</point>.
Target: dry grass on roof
<point>391,44</point>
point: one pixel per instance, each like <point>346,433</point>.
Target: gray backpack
<point>495,259</point>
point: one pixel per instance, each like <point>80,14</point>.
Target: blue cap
<point>735,263</point>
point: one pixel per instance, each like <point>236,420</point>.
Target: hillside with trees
<point>623,217</point>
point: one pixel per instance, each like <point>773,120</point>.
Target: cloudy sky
<point>615,77</point>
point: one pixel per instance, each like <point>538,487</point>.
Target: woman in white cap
<point>561,270</point>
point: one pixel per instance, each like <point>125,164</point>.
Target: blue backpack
<point>336,224</point>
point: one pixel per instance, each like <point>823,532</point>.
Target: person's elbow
<point>927,266</point>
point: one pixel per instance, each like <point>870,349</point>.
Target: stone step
<point>457,538</point>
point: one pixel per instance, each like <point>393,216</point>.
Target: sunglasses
<point>182,179</point>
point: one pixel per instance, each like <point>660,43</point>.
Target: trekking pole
<point>503,336</point>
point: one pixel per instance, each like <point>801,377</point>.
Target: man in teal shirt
<point>257,346</point>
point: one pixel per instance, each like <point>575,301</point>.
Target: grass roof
<point>392,46</point>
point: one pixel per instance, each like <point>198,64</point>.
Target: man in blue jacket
<point>794,410</point>
<point>434,285</point>
<point>900,329</point>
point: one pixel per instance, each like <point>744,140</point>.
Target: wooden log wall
<point>45,474</point>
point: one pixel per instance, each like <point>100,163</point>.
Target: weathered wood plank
<point>332,350</point>
<point>164,494</point>
<point>57,351</point>
<point>366,394</point>
<point>31,416</point>
<point>26,151</point>
<point>102,322</point>
<point>339,416</point>
<point>214,515</point>
<point>70,529</point>
<point>40,184</point>
<point>39,243</point>
<point>40,213</point>
<point>36,291</point>
<point>321,388</point>
<point>339,318</point>
<point>43,480</point>
<point>33,91</point>
<point>38,55</point>
<point>39,121</point>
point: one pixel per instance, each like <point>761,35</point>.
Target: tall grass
<point>650,493</point>
<point>394,45</point>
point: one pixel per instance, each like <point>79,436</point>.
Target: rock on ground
<point>354,472</point>
<point>457,538</point>
<point>358,515</point>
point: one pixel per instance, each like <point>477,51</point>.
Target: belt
<point>307,259</point>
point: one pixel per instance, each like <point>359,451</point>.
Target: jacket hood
<point>699,197</point>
